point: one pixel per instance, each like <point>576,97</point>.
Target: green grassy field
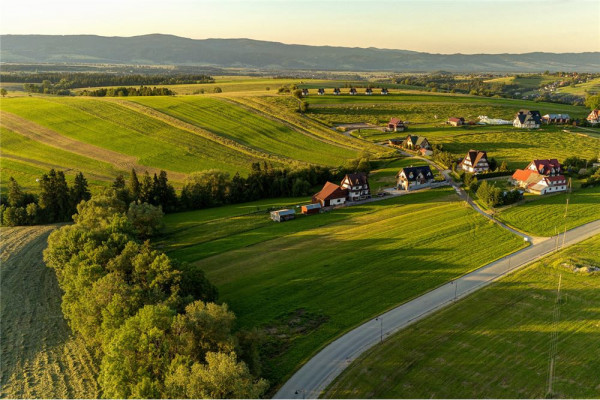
<point>518,147</point>
<point>108,125</point>
<point>306,281</point>
<point>495,343</point>
<point>581,89</point>
<point>237,123</point>
<point>26,160</point>
<point>544,214</point>
<point>526,81</point>
<point>40,356</point>
<point>418,107</point>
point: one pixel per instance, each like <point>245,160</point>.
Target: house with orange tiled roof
<point>536,183</point>
<point>475,162</point>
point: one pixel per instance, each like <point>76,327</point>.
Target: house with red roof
<point>475,162</point>
<point>330,195</point>
<point>546,167</point>
<point>396,125</point>
<point>454,121</point>
<point>594,117</point>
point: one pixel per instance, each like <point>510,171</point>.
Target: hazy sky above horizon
<point>440,26</point>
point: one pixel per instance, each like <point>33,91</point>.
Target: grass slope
<point>40,357</point>
<point>108,125</point>
<point>496,342</point>
<point>306,281</point>
<point>232,121</point>
<point>27,159</point>
<point>546,213</point>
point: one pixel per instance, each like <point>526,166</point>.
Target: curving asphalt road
<point>314,376</point>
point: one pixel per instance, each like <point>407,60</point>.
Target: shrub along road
<point>314,376</point>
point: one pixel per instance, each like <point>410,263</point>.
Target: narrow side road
<point>314,376</point>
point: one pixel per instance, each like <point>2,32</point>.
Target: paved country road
<point>314,376</point>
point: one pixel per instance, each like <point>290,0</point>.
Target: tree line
<point>128,91</point>
<point>152,322</point>
<point>95,79</point>
<point>57,202</point>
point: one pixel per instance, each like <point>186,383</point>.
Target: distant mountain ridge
<point>247,53</point>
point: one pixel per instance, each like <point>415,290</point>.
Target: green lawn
<point>546,213</point>
<point>496,342</point>
<point>237,123</point>
<point>306,281</point>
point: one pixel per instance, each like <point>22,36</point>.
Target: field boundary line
<point>203,132</point>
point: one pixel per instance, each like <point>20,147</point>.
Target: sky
<point>440,26</point>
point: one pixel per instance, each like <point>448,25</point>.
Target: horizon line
<point>292,44</point>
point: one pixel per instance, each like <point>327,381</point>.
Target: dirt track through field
<point>40,357</point>
<point>49,137</point>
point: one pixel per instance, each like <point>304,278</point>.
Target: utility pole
<point>380,319</point>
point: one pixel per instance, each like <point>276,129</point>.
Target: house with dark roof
<point>321,91</point>
<point>395,142</point>
<point>546,167</point>
<point>368,91</point>
<point>411,178</point>
<point>454,121</point>
<point>384,91</point>
<point>416,142</point>
<point>527,119</point>
<point>396,125</point>
<point>336,91</point>
<point>330,195</point>
<point>304,92</point>
<point>556,119</point>
<point>357,186</point>
<point>352,91</point>
<point>475,162</point>
<point>594,117</point>
<point>283,215</point>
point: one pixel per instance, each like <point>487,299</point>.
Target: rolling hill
<point>174,50</point>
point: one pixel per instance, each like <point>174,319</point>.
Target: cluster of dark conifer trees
<point>56,201</point>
